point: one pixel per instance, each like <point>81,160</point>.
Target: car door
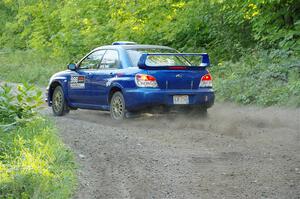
<point>80,84</point>
<point>110,63</point>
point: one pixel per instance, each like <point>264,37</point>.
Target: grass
<point>29,66</point>
<point>34,163</point>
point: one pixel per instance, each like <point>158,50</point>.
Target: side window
<point>92,61</point>
<point>110,60</point>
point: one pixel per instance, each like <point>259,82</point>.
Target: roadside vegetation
<point>34,163</point>
<point>28,66</point>
<point>264,78</point>
<point>254,45</point>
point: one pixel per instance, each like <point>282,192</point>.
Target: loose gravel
<point>237,152</point>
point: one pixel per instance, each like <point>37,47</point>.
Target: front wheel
<point>117,106</point>
<point>59,105</point>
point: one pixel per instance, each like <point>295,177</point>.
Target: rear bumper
<point>146,97</point>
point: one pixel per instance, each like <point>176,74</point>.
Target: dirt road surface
<point>237,152</point>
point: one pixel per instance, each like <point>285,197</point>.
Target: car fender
<point>114,85</point>
<point>122,82</point>
<point>54,82</point>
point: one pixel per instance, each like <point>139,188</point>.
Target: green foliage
<point>18,106</point>
<point>276,23</point>
<point>34,163</point>
<point>29,66</point>
<point>226,29</point>
<point>260,78</point>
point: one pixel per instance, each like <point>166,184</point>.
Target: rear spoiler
<point>205,59</point>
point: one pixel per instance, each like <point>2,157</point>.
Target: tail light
<point>142,80</point>
<point>206,81</point>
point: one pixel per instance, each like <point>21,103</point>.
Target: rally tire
<point>59,105</point>
<point>117,107</point>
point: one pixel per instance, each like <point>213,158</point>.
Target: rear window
<point>135,55</point>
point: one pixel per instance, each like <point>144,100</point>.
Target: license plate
<point>181,99</point>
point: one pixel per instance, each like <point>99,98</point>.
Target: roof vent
<point>123,43</point>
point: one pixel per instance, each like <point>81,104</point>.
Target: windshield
<point>135,55</point>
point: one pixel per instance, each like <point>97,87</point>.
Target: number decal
<point>77,82</point>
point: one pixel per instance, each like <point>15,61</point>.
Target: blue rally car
<point>126,77</point>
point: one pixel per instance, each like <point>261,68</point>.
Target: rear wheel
<point>59,105</point>
<point>117,106</point>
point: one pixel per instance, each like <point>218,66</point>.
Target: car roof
<point>136,46</point>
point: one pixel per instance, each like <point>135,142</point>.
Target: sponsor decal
<point>77,81</point>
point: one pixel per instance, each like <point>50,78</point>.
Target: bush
<point>34,163</point>
<point>18,106</point>
<point>263,78</point>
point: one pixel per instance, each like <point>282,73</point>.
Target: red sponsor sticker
<point>80,79</point>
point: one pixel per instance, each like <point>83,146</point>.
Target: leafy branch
<point>18,105</point>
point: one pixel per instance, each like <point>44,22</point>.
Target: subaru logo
<point>179,76</point>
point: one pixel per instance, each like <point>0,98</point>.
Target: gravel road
<point>237,152</point>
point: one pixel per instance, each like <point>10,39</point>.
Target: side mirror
<point>72,66</point>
